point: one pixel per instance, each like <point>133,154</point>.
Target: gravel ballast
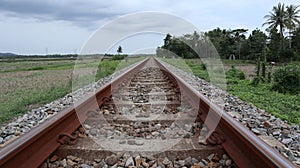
<point>279,134</point>
<point>24,123</point>
<point>284,137</point>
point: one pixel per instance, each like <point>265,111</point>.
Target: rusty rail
<point>32,148</point>
<point>244,147</point>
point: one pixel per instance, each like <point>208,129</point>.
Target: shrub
<point>269,77</point>
<point>255,81</point>
<point>203,66</point>
<point>287,79</point>
<point>235,73</point>
<point>119,57</point>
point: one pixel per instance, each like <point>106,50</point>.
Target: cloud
<point>75,11</point>
<point>133,24</point>
<point>67,19</point>
<point>89,13</point>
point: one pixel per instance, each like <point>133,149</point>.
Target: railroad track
<point>147,111</point>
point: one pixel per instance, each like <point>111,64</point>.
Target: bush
<point>203,66</point>
<point>287,79</point>
<point>235,73</point>
<point>119,57</point>
<point>255,81</point>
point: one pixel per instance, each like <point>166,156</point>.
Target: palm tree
<point>292,19</point>
<point>277,17</point>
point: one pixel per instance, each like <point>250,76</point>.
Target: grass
<point>41,67</point>
<point>283,106</point>
<point>20,100</point>
<point>27,84</point>
<point>106,68</point>
<point>198,70</point>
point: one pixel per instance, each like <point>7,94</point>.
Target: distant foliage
<point>287,79</point>
<point>287,55</point>
<point>119,57</point>
<point>183,46</point>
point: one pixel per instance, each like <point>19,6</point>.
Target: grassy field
<point>29,83</point>
<point>284,106</point>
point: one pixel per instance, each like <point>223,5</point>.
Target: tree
<point>292,19</point>
<point>195,40</point>
<point>119,50</point>
<point>228,42</point>
<point>277,18</point>
<point>167,41</point>
<point>257,42</point>
<point>223,41</point>
<point>181,46</point>
<point>275,41</point>
<point>295,41</point>
<point>239,37</point>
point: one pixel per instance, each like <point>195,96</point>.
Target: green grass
<point>39,60</point>
<point>106,68</point>
<point>129,61</point>
<point>42,67</point>
<point>109,67</point>
<point>198,70</point>
<point>20,100</point>
<point>284,106</point>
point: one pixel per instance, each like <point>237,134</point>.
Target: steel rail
<point>244,147</point>
<point>34,147</point>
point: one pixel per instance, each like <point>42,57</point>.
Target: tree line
<point>280,42</point>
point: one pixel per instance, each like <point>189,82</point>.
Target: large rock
<point>129,162</point>
<point>111,160</point>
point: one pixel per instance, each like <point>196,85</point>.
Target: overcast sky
<point>64,26</point>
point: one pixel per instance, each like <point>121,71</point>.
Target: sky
<point>67,26</point>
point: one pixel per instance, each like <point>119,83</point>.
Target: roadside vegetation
<point>29,83</point>
<point>283,105</point>
<point>262,67</point>
<point>273,81</point>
